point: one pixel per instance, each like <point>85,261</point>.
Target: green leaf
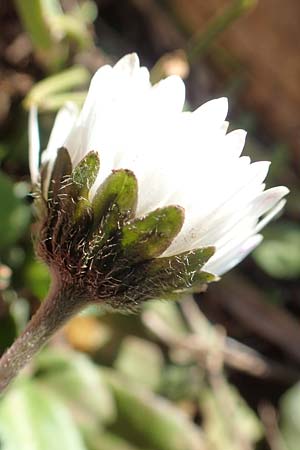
<point>35,23</point>
<point>77,380</point>
<point>57,101</point>
<point>31,418</point>
<point>169,313</point>
<point>37,278</point>
<point>279,254</point>
<point>290,417</point>
<point>87,12</point>
<point>218,423</point>
<point>141,361</point>
<point>109,441</point>
<point>59,83</point>
<point>15,214</point>
<point>182,382</point>
<point>148,237</point>
<point>73,28</point>
<point>152,420</point>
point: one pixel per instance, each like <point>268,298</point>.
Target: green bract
<point>96,243</point>
<point>148,237</point>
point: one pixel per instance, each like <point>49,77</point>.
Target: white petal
<point>222,263</point>
<point>228,222</point>
<point>273,213</point>
<point>234,142</point>
<point>225,126</point>
<point>169,95</point>
<point>111,114</point>
<point>210,217</point>
<point>213,111</point>
<point>63,125</point>
<point>128,64</point>
<point>34,144</point>
<point>268,199</point>
<point>100,88</point>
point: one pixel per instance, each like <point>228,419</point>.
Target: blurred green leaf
<point>141,361</point>
<point>64,81</point>
<point>78,381</point>
<point>168,312</point>
<point>227,419</point>
<point>182,382</point>
<point>56,101</point>
<point>37,278</point>
<point>35,23</point>
<point>87,11</point>
<point>74,28</point>
<point>15,214</point>
<point>290,417</point>
<point>154,421</point>
<point>20,311</point>
<point>279,254</point>
<point>51,29</point>
<point>108,441</point>
<point>33,419</point>
<point>73,23</point>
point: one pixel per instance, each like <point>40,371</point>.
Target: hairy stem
<point>55,310</point>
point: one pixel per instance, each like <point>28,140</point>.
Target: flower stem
<point>55,310</point>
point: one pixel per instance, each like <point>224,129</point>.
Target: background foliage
<point>218,373</point>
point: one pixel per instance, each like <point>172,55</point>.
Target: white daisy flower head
<point>138,199</point>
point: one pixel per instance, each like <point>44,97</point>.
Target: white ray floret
<point>181,158</point>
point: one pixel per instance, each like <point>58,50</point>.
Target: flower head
<point>138,199</point>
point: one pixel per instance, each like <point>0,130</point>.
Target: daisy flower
<point>136,199</point>
<point>139,199</point>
